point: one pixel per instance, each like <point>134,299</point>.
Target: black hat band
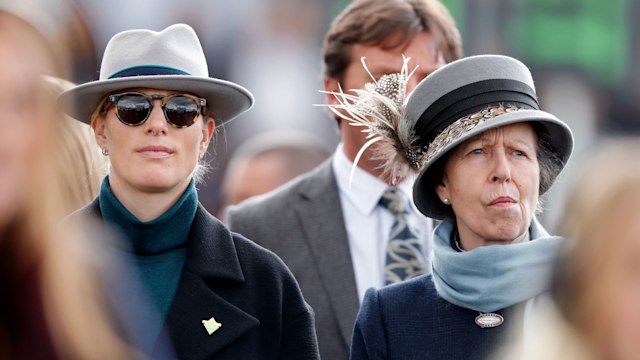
<point>469,99</point>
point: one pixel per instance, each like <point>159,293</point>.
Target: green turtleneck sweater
<point>159,246</point>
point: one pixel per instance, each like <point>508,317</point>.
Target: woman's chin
<point>157,184</point>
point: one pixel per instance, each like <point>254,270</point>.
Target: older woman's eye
<point>477,151</point>
<point>519,153</point>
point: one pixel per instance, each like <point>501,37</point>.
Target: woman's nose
<point>501,168</point>
<point>156,123</point>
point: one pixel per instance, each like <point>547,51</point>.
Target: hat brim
<point>225,100</point>
<point>424,195</point>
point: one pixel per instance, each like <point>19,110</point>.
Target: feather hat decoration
<point>379,108</point>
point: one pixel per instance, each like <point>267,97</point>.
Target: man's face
<point>424,53</point>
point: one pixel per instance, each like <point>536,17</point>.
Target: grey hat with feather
<point>468,97</point>
<point>453,104</point>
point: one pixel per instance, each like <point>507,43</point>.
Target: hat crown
<point>176,47</point>
<point>463,72</point>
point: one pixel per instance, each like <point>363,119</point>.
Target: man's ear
<point>98,124</point>
<point>331,85</point>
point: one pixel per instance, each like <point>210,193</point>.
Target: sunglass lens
<point>181,111</point>
<point>133,109</point>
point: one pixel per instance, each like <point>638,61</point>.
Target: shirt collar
<point>366,189</point>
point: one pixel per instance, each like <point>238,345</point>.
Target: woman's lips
<point>155,152</point>
<point>502,201</point>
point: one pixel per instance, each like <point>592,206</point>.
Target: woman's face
<point>154,157</point>
<point>492,182</point>
<point>23,134</point>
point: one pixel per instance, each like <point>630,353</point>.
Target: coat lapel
<point>320,214</point>
<point>211,256</point>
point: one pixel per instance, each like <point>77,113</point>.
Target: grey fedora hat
<point>468,97</point>
<point>171,59</point>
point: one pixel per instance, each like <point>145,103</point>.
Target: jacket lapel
<point>211,256</point>
<point>320,214</point>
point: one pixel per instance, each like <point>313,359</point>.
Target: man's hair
<point>389,24</point>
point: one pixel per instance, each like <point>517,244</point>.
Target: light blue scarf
<point>494,277</point>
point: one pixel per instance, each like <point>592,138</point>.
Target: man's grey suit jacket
<point>302,222</point>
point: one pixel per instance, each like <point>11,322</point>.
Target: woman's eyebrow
<point>519,142</point>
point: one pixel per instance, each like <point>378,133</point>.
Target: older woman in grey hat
<point>154,110</point>
<point>484,153</point>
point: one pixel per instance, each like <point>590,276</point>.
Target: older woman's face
<point>154,157</point>
<point>492,183</point>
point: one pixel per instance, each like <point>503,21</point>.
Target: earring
<point>105,151</point>
<point>446,201</point>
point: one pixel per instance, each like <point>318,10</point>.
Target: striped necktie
<point>404,258</point>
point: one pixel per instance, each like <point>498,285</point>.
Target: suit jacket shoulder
<point>275,210</point>
<point>303,223</point>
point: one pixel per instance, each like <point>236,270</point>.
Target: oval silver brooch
<point>489,320</point>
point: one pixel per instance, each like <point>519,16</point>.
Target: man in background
<point>266,161</point>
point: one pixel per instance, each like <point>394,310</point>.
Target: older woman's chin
<point>510,230</point>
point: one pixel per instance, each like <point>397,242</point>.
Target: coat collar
<point>320,215</point>
<point>205,257</point>
<point>211,259</point>
<point>211,251</point>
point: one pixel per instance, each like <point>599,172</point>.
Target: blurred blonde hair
<point>79,161</point>
<point>604,205</point>
<point>70,294</point>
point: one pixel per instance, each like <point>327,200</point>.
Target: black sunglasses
<point>180,110</point>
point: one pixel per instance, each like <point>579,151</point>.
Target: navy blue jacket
<point>243,286</point>
<point>409,320</point>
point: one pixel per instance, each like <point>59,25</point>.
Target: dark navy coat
<point>409,320</point>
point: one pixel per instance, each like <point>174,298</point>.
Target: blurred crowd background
<point>581,53</point>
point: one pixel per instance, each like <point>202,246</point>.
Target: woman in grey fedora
<point>154,110</point>
<point>484,153</point>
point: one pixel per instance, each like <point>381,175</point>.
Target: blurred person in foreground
<point>266,161</point>
<point>341,239</point>
<point>154,110</point>
<point>485,153</point>
<point>594,314</point>
<point>52,304</point>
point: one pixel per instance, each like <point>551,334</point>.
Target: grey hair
<point>549,162</point>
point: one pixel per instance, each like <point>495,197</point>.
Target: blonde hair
<point>78,160</point>
<point>599,219</point>
<point>69,288</point>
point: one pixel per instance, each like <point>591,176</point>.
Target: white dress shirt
<point>369,224</point>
